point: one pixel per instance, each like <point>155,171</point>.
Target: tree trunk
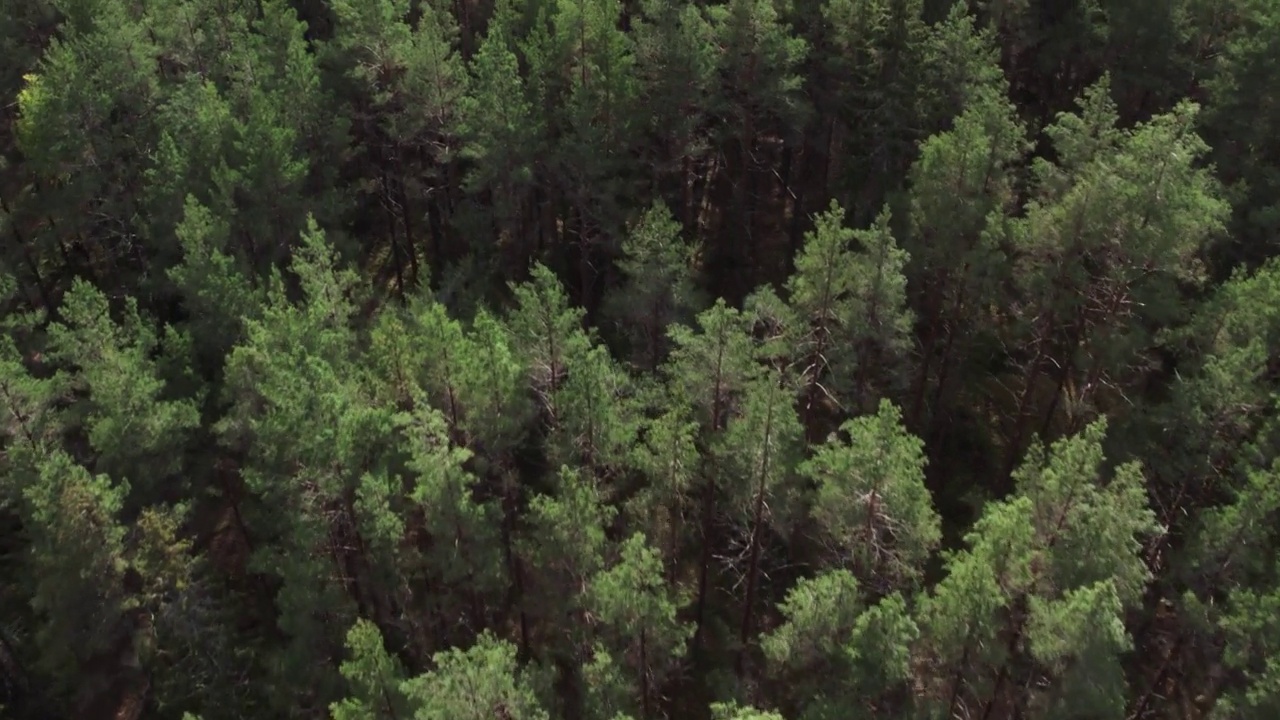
<point>753,565</point>
<point>644,677</point>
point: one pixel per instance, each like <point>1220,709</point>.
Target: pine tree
<point>962,190</point>
<point>78,562</point>
<point>1117,221</point>
<point>1050,53</point>
<point>216,287</point>
<point>1048,575</point>
<point>668,456</point>
<point>711,368</point>
<point>759,452</point>
<point>759,59</point>
<point>599,425</point>
<point>710,371</point>
<point>638,624</point>
<point>310,438</point>
<point>676,62</point>
<point>659,288</point>
<point>1212,448</point>
<point>411,81</point>
<point>549,332</point>
<point>475,376</point>
<point>581,389</point>
<point>566,545</point>
<point>759,97</point>
<point>500,137</point>
<point>185,644</point>
<point>839,657</point>
<point>374,677</point>
<point>478,683</point>
<point>278,124</point>
<point>84,129</point>
<point>135,430</point>
<point>962,62</point>
<point>582,70</point>
<point>32,406</point>
<point>875,61</point>
<point>849,292</point>
<point>1239,110</point>
<point>495,377</point>
<point>820,293</point>
<point>192,175</point>
<point>1230,541</point>
<point>872,506</point>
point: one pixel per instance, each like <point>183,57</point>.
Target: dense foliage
<point>640,359</point>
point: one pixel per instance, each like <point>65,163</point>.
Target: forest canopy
<point>639,359</point>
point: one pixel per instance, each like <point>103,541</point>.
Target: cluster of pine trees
<point>639,359</point>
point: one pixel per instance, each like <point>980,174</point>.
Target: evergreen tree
<point>759,98</point>
<point>464,563</point>
<point>639,625</point>
<point>1117,222</point>
<point>1047,576</point>
<point>1247,623</point>
<point>871,505</point>
<point>500,137</point>
<point>481,682</point>
<point>849,296</point>
<point>675,62</point>
<point>84,130</point>
<point>760,451</point>
<point>876,62</point>
<point>1241,106</point>
<point>839,657</point>
<point>599,106</point>
<point>782,277</point>
<point>566,545</point>
<point>962,191</point>
<point>668,457</point>
<point>548,330</point>
<point>659,288</point>
<point>412,82</point>
<point>278,124</point>
<point>310,438</point>
<point>374,677</point>
<point>711,371</point>
<point>135,431</point>
<point>215,286</point>
<point>192,180</point>
<point>78,559</point>
<point>579,386</point>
